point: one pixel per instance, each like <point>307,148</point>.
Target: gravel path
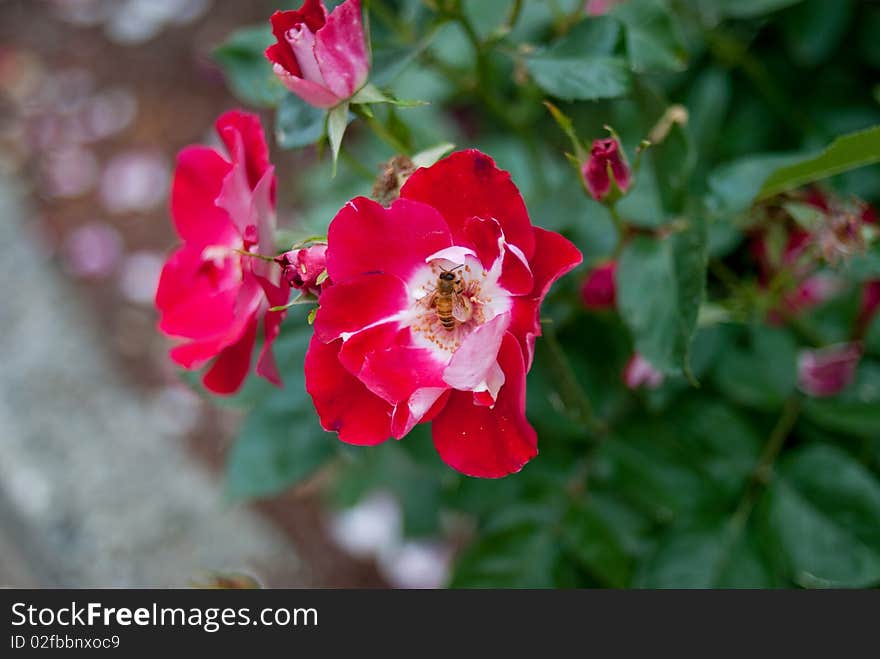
<point>96,489</point>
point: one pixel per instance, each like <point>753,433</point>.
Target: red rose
<point>322,59</point>
<point>210,293</point>
<point>391,349</point>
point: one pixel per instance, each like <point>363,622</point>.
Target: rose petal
<point>489,442</point>
<point>198,180</point>
<point>471,365</point>
<point>359,303</point>
<point>341,50</point>
<point>277,296</point>
<point>228,372</point>
<point>344,405</point>
<point>366,237</point>
<point>467,184</point>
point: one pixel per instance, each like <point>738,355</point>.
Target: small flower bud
<point>606,163</point>
<point>303,269</point>
<point>639,372</point>
<point>599,291</point>
<point>828,371</point>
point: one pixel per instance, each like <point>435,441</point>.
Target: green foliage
<point>660,288</point>
<point>280,443</point>
<point>581,66</point>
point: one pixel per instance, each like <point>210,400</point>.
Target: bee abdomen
<point>448,323</point>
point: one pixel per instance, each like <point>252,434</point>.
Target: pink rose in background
<point>300,268</point>
<point>599,7</point>
<point>391,350</point>
<point>828,371</point>
<point>209,293</point>
<point>599,291</point>
<point>870,306</point>
<point>639,372</point>
<point>322,59</point>
<point>606,163</point>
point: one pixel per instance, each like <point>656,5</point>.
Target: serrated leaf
<point>822,512</point>
<point>581,65</point>
<point>843,154</point>
<point>660,286</point>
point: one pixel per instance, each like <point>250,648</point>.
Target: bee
<point>449,301</point>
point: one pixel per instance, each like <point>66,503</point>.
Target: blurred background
<point>110,466</point>
<point>113,468</point>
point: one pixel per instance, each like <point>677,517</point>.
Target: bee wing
<point>461,308</point>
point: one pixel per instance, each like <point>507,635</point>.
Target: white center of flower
<point>443,312</point>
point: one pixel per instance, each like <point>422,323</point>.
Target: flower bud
<point>606,163</point>
<point>828,371</point>
<point>870,305</point>
<point>302,268</point>
<point>639,372</point>
<point>321,58</point>
<point>599,291</point>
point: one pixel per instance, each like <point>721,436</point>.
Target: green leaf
<point>581,65</point>
<point>652,40</point>
<point>337,121</point>
<point>856,411</point>
<point>432,154</point>
<point>762,371</point>
<point>369,93</point>
<point>660,286</point>
<point>281,441</point>
<point>595,545</point>
<point>518,549</point>
<point>734,186</point>
<point>815,28</point>
<point>715,556</point>
<point>247,70</point>
<point>275,451</point>
<point>581,79</point>
<point>745,8</point>
<point>845,153</point>
<point>297,123</point>
<point>822,514</point>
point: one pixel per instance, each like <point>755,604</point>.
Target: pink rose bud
<point>606,162</point>
<point>301,268</point>
<point>322,59</point>
<point>828,371</point>
<point>598,291</point>
<point>599,7</point>
<point>640,373</point>
<point>870,305</point>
